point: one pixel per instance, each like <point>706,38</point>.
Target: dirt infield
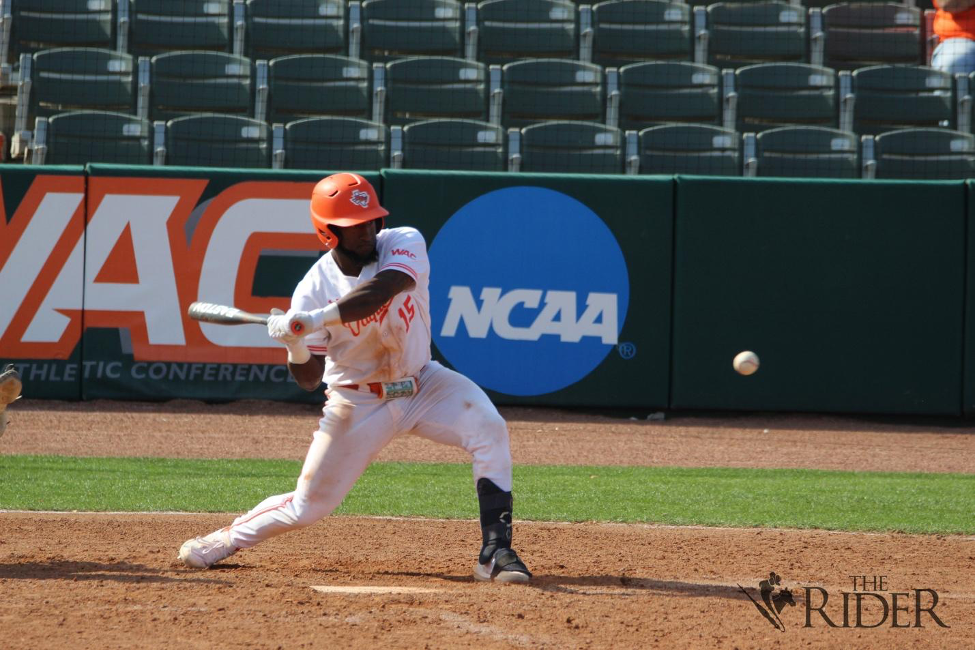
<point>112,580</point>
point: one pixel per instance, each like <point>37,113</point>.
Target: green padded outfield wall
<point>42,232</point>
<point>968,330</point>
<point>851,293</point>
<point>547,289</point>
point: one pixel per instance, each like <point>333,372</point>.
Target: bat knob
<point>297,327</point>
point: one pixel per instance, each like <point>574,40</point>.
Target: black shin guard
<point>495,516</point>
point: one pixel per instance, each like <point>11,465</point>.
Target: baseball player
<point>367,334</point>
<point>10,387</point>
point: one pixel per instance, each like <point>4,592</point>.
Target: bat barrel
<point>223,314</point>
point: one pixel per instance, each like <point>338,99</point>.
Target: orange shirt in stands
<point>958,25</point>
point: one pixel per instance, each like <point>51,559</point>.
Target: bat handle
<point>300,325</point>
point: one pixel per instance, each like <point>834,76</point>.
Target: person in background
<point>10,387</point>
<point>954,26</point>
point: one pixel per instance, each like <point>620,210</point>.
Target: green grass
<point>793,498</point>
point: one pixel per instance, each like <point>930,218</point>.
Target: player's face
<point>359,242</point>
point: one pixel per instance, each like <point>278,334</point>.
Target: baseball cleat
<point>205,552</point>
<point>505,566</point>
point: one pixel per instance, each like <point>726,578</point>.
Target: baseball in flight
<point>746,362</point>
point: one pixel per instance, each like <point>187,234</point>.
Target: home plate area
<point>96,580</point>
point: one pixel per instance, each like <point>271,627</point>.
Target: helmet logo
<point>360,198</point>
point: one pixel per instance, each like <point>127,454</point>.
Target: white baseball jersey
<point>393,343</point>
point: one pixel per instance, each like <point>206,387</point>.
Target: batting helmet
<point>343,200</point>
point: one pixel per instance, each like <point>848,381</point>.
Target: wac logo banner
<point>131,254</point>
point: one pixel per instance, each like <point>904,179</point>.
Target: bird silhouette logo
<point>772,601</point>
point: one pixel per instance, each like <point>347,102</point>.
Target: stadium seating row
<point>611,33</point>
<point>564,147</point>
<point>752,98</point>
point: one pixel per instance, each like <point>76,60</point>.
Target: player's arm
<point>366,299</point>
<point>362,302</point>
<point>308,375</point>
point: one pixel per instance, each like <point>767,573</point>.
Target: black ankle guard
<point>495,516</point>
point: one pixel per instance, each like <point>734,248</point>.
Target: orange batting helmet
<point>343,200</point>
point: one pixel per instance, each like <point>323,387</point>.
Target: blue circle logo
<point>529,290</point>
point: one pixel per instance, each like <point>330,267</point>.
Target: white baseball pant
<point>448,408</point>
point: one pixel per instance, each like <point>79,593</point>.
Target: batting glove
<point>280,329</point>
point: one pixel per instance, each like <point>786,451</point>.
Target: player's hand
<point>302,323</point>
<point>280,328</point>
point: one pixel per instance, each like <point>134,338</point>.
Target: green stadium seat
<point>424,88</point>
<point>568,147</point>
<point>71,79</point>
<point>857,35</point>
<point>330,144</point>
<point>211,140</point>
<point>394,29</point>
<point>278,28</point>
<point>45,24</point>
<point>160,26</point>
<point>469,145</point>
<point>964,101</point>
<point>551,89</point>
<point>770,95</point>
<point>30,26</point>
<point>801,152</point>
<point>517,29</point>
<point>886,98</point>
<point>183,83</point>
<point>686,149</point>
<point>82,78</point>
<point>668,92</point>
<point>81,137</point>
<point>744,33</point>
<point>630,31</point>
<point>924,154</point>
<point>311,85</point>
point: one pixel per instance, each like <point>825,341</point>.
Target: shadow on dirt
<point>78,571</point>
<point>616,586</point>
<point>624,586</point>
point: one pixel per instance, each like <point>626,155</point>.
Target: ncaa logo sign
<point>529,290</point>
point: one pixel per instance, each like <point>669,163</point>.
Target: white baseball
<point>746,362</point>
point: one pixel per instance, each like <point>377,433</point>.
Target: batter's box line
<point>374,589</point>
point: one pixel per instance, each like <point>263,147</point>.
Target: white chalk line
<point>373,589</point>
<point>521,522</point>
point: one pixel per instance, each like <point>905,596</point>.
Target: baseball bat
<point>209,312</point>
